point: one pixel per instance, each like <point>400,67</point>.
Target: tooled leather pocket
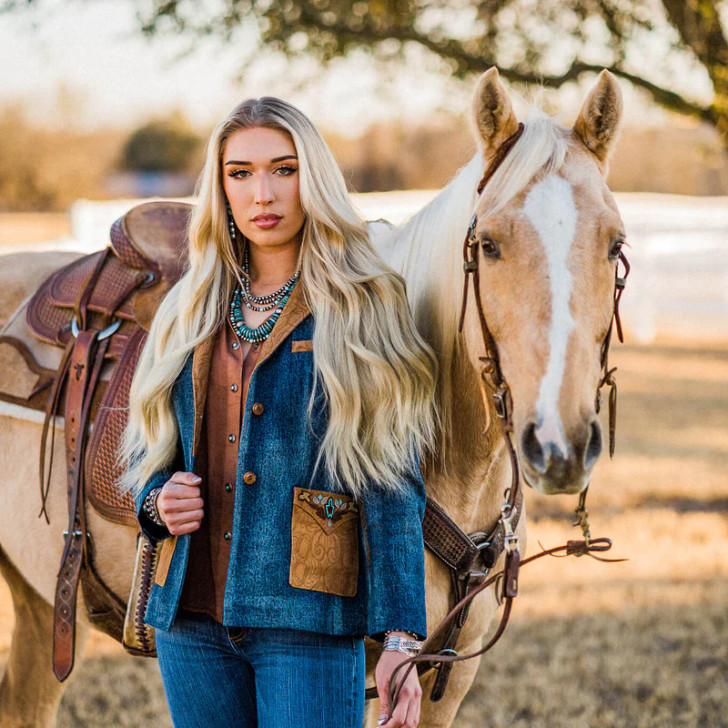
<point>324,542</point>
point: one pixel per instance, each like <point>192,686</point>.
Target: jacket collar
<point>295,310</point>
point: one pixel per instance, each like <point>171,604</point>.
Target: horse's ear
<point>493,112</point>
<point>598,123</point>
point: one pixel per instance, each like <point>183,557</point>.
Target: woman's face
<point>260,179</point>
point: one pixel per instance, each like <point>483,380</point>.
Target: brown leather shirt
<point>217,462</point>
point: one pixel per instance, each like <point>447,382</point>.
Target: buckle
<point>112,328</point>
<point>476,573</point>
<point>444,651</point>
<point>499,400</point>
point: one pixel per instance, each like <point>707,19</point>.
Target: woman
<point>276,419</point>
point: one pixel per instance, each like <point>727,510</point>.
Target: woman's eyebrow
<point>273,161</point>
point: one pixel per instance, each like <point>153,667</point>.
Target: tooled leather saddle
<point>97,310</point>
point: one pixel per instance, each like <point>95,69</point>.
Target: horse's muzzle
<point>548,470</point>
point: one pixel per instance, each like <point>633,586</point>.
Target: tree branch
<point>453,50</point>
<point>698,24</point>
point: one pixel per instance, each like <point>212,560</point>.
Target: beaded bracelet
<point>406,631</point>
<point>150,506</point>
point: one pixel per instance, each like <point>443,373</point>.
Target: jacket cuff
<point>396,559</point>
<point>150,529</point>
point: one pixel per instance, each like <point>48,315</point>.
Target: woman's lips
<point>267,222</point>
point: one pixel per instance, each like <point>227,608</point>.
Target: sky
<point>86,65</point>
<point>94,55</point>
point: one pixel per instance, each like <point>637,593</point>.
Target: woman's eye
<point>489,247</point>
<point>284,170</point>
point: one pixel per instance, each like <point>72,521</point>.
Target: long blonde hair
<point>378,374</point>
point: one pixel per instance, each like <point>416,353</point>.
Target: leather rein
<point>492,378</point>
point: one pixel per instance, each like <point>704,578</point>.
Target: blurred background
<point>106,102</point>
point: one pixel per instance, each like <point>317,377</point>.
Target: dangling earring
<point>231,222</point>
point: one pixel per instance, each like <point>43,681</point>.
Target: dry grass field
<point>640,644</point>
<point>635,644</point>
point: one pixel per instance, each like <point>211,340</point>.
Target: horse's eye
<point>490,247</point>
<point>615,248</point>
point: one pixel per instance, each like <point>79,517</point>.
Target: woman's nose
<point>264,190</point>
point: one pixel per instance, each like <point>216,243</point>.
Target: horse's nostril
<point>531,448</point>
<point>594,446</point>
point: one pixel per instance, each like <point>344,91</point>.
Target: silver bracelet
<point>150,506</point>
<point>400,644</point>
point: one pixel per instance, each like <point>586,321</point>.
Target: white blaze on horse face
<point>550,208</point>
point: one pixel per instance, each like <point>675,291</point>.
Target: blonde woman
<point>277,417</point>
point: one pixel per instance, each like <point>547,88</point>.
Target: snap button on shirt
<point>257,408</point>
<point>249,478</point>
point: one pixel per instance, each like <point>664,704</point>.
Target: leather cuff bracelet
<point>150,506</point>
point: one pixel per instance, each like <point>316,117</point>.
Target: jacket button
<point>231,438</point>
<point>233,387</point>
<point>257,408</point>
<point>228,487</point>
<point>236,345</point>
<point>249,478</point>
<point>228,535</point>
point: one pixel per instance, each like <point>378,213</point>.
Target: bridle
<point>492,379</point>
<point>490,372</point>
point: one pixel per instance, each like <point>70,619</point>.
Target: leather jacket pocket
<point>324,542</point>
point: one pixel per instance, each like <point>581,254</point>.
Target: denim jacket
<point>383,558</point>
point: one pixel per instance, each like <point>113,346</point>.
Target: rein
<point>492,378</point>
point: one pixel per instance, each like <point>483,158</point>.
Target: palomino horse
<point>549,230</point>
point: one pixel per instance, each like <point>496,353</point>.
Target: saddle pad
<point>22,380</point>
<point>102,470</point>
<point>29,365</point>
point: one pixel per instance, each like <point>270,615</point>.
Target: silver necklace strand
<point>267,301</point>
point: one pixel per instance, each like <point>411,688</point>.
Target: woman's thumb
<point>383,703</point>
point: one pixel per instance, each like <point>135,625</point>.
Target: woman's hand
<point>406,713</point>
<point>179,504</point>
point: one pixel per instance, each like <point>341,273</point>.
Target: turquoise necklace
<point>241,296</point>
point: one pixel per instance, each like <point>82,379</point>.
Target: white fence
<point>678,287</point>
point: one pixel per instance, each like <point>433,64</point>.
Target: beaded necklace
<point>242,295</point>
<point>269,300</point>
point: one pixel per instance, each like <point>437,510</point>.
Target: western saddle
<point>97,311</point>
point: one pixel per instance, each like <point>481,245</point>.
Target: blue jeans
<point>247,677</point>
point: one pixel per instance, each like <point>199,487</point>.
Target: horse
<point>547,233</point>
